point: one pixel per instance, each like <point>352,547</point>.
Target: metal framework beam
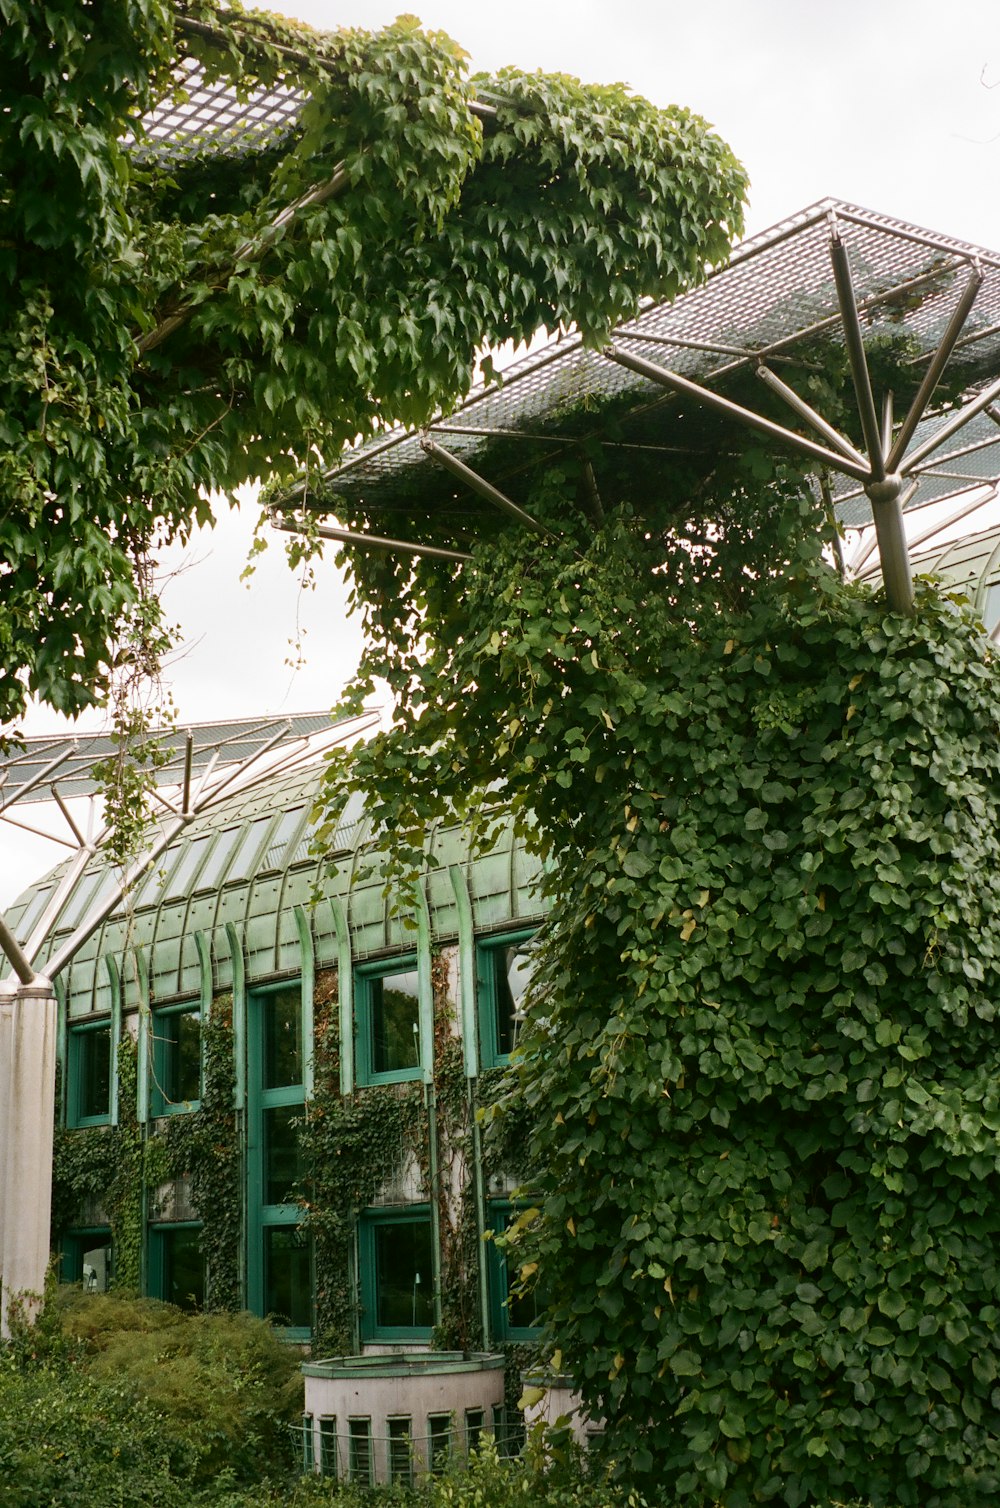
<point>736,411</point>
<point>856,353</point>
<point>476,483</point>
<point>937,365</point>
<point>948,428</point>
<point>370,541</point>
<point>809,414</point>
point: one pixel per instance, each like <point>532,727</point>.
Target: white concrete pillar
<point>28,1021</point>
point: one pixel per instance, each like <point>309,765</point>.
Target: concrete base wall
<point>441,1386</point>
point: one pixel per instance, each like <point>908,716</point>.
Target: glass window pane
<point>512,968</point>
<point>253,836</point>
<point>96,1275</point>
<point>178,1038</point>
<point>359,1464</point>
<point>183,1269</point>
<point>403,1274</point>
<point>281,1153</point>
<point>394,1021</point>
<point>282,1017</point>
<point>93,1051</point>
<point>287,1280</point>
<point>191,857</point>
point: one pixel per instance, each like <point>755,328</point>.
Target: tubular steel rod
<point>932,376</point>
<point>948,428</point>
<point>42,776</point>
<point>735,411</point>
<point>893,554</point>
<point>188,761</point>
<point>15,955</point>
<point>856,354</point>
<point>71,824</point>
<point>373,541</point>
<point>809,414</point>
<point>887,418</point>
<point>476,483</point>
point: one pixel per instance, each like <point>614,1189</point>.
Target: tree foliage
<point>171,323</point>
<point>761,1070</point>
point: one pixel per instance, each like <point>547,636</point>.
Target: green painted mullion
<point>345,994</point>
<point>308,960</point>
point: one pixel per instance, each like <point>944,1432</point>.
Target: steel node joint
<point>886,489</point>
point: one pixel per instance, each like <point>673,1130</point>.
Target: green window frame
<point>388,1039</point>
<point>175,1265</point>
<point>89,1073</point>
<point>497,999</point>
<point>512,1318</point>
<point>176,1058</point>
<point>396,1250</point>
<point>279,1259</point>
<point>87,1258</point>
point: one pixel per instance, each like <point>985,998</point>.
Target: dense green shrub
<point>223,1387</point>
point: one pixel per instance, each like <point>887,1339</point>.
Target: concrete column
<point>27,1108</point>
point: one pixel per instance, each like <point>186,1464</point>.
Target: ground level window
<point>176,1059</point>
<point>475,1425</point>
<point>328,1444</point>
<point>360,1467</point>
<point>387,1009</point>
<point>397,1275</point>
<point>439,1442</point>
<point>88,1099</point>
<point>86,1259</point>
<point>176,1265</point>
<point>401,1451</point>
<point>503,971</point>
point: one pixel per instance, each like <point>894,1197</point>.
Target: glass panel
<point>280,838</point>
<point>93,1049</point>
<point>32,912</point>
<point>395,1021</point>
<point>400,1451</point>
<point>403,1274</point>
<point>189,861</point>
<point>308,1447</point>
<point>183,1269</point>
<point>216,861</point>
<point>360,1452</point>
<point>96,1274</point>
<point>281,1153</point>
<point>282,1015</point>
<point>512,968</point>
<point>179,1039</point>
<point>287,1280</point>
<point>246,853</point>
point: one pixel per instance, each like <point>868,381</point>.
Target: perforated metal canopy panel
<point>198,115</point>
<point>775,301</point>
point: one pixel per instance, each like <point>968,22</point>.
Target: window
<point>176,1265</point>
<point>503,971</point>
<point>308,1447</point>
<point>475,1427</point>
<point>88,1087</point>
<point>176,1059</point>
<point>86,1259</point>
<point>359,1452</point>
<point>328,1444</point>
<point>515,1316</point>
<point>387,1015</point>
<point>400,1452</point>
<point>279,1272</point>
<point>439,1432</point>
<point>397,1274</point>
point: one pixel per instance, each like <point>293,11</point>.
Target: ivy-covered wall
<point>381,1144</point>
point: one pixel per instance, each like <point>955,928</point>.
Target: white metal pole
<point>27,1103</point>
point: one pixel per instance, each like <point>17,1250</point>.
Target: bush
<point>223,1387</point>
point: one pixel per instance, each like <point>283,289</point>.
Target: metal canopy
<point>23,778</point>
<point>786,299</point>
<point>197,116</point>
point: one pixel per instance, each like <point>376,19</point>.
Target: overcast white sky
<point>886,103</point>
